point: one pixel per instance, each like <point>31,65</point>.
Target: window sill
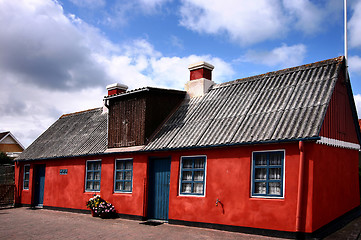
<point>118,192</point>
<point>190,195</point>
<point>267,197</point>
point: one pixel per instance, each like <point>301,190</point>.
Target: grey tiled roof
<point>74,134</point>
<point>279,106</point>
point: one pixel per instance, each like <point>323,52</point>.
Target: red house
<point>272,154</point>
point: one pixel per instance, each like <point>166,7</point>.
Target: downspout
<point>17,197</point>
<point>300,192</point>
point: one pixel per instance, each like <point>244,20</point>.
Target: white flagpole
<point>345,28</point>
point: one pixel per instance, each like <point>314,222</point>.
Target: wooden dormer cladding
<point>134,116</point>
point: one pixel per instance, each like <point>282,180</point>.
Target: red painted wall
<point>338,123</point>
<point>229,179</point>
<point>68,191</point>
<point>23,196</point>
<point>331,187</point>
<point>334,181</point>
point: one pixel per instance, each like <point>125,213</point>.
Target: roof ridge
<point>338,59</point>
<point>79,112</point>
<point>143,89</point>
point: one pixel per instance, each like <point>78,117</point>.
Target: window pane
<point>123,175</point>
<point>198,188</point>
<point>89,176</point>
<point>193,175</point>
<point>128,175</point>
<point>96,175</point>
<point>187,163</point>
<point>275,173</point>
<point>187,175</point>
<point>26,184</point>
<point>128,165</point>
<point>96,166</point>
<point>260,173</point>
<point>89,185</point>
<point>119,186</point>
<point>120,165</point>
<point>274,188</point>
<point>90,166</point>
<point>128,186</point>
<point>268,173</point>
<point>198,175</point>
<point>261,159</point>
<point>260,187</point>
<point>96,186</point>
<point>199,163</point>
<point>26,176</point>
<point>119,176</point>
<point>275,158</point>
<point>186,187</point>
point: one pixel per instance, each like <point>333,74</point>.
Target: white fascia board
<point>338,143</point>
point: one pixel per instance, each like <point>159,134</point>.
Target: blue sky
<point>57,56</point>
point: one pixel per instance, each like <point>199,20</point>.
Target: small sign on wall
<point>63,171</point>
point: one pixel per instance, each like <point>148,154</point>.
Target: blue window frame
<point>193,175</point>
<point>26,177</point>
<point>123,179</point>
<point>93,175</point>
<point>268,174</point>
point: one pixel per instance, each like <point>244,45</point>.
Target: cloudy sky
<point>57,56</point>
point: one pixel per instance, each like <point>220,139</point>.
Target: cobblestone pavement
<point>25,223</point>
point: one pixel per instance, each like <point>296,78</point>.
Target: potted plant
<point>93,204</point>
<point>106,210</point>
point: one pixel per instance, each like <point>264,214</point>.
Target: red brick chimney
<point>200,79</point>
<point>116,88</point>
<point>201,70</point>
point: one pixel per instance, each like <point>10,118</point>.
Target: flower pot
<point>94,214</point>
<point>106,215</point>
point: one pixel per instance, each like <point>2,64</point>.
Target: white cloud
<point>122,11</point>
<point>89,3</point>
<point>284,56</point>
<point>354,63</point>
<point>354,26</point>
<point>249,22</point>
<point>42,46</point>
<point>244,21</point>
<point>357,99</point>
<point>307,16</point>
<point>173,71</point>
<point>151,4</point>
<point>52,64</point>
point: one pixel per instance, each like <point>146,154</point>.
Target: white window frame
<point>180,177</point>
<point>26,165</point>
<point>115,174</point>
<point>283,175</point>
<point>86,175</point>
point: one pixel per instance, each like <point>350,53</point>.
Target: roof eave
<point>177,149</point>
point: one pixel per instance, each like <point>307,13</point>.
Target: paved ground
<point>25,223</point>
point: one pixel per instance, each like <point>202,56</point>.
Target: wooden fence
<point>7,185</point>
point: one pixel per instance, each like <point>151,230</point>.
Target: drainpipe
<point>300,192</point>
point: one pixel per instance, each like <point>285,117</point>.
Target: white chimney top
<point>200,79</point>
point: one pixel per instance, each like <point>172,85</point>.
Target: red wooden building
<point>275,153</point>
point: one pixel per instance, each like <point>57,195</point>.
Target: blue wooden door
<point>39,185</point>
<point>158,195</point>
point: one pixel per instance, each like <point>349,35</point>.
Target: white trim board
<point>338,143</point>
